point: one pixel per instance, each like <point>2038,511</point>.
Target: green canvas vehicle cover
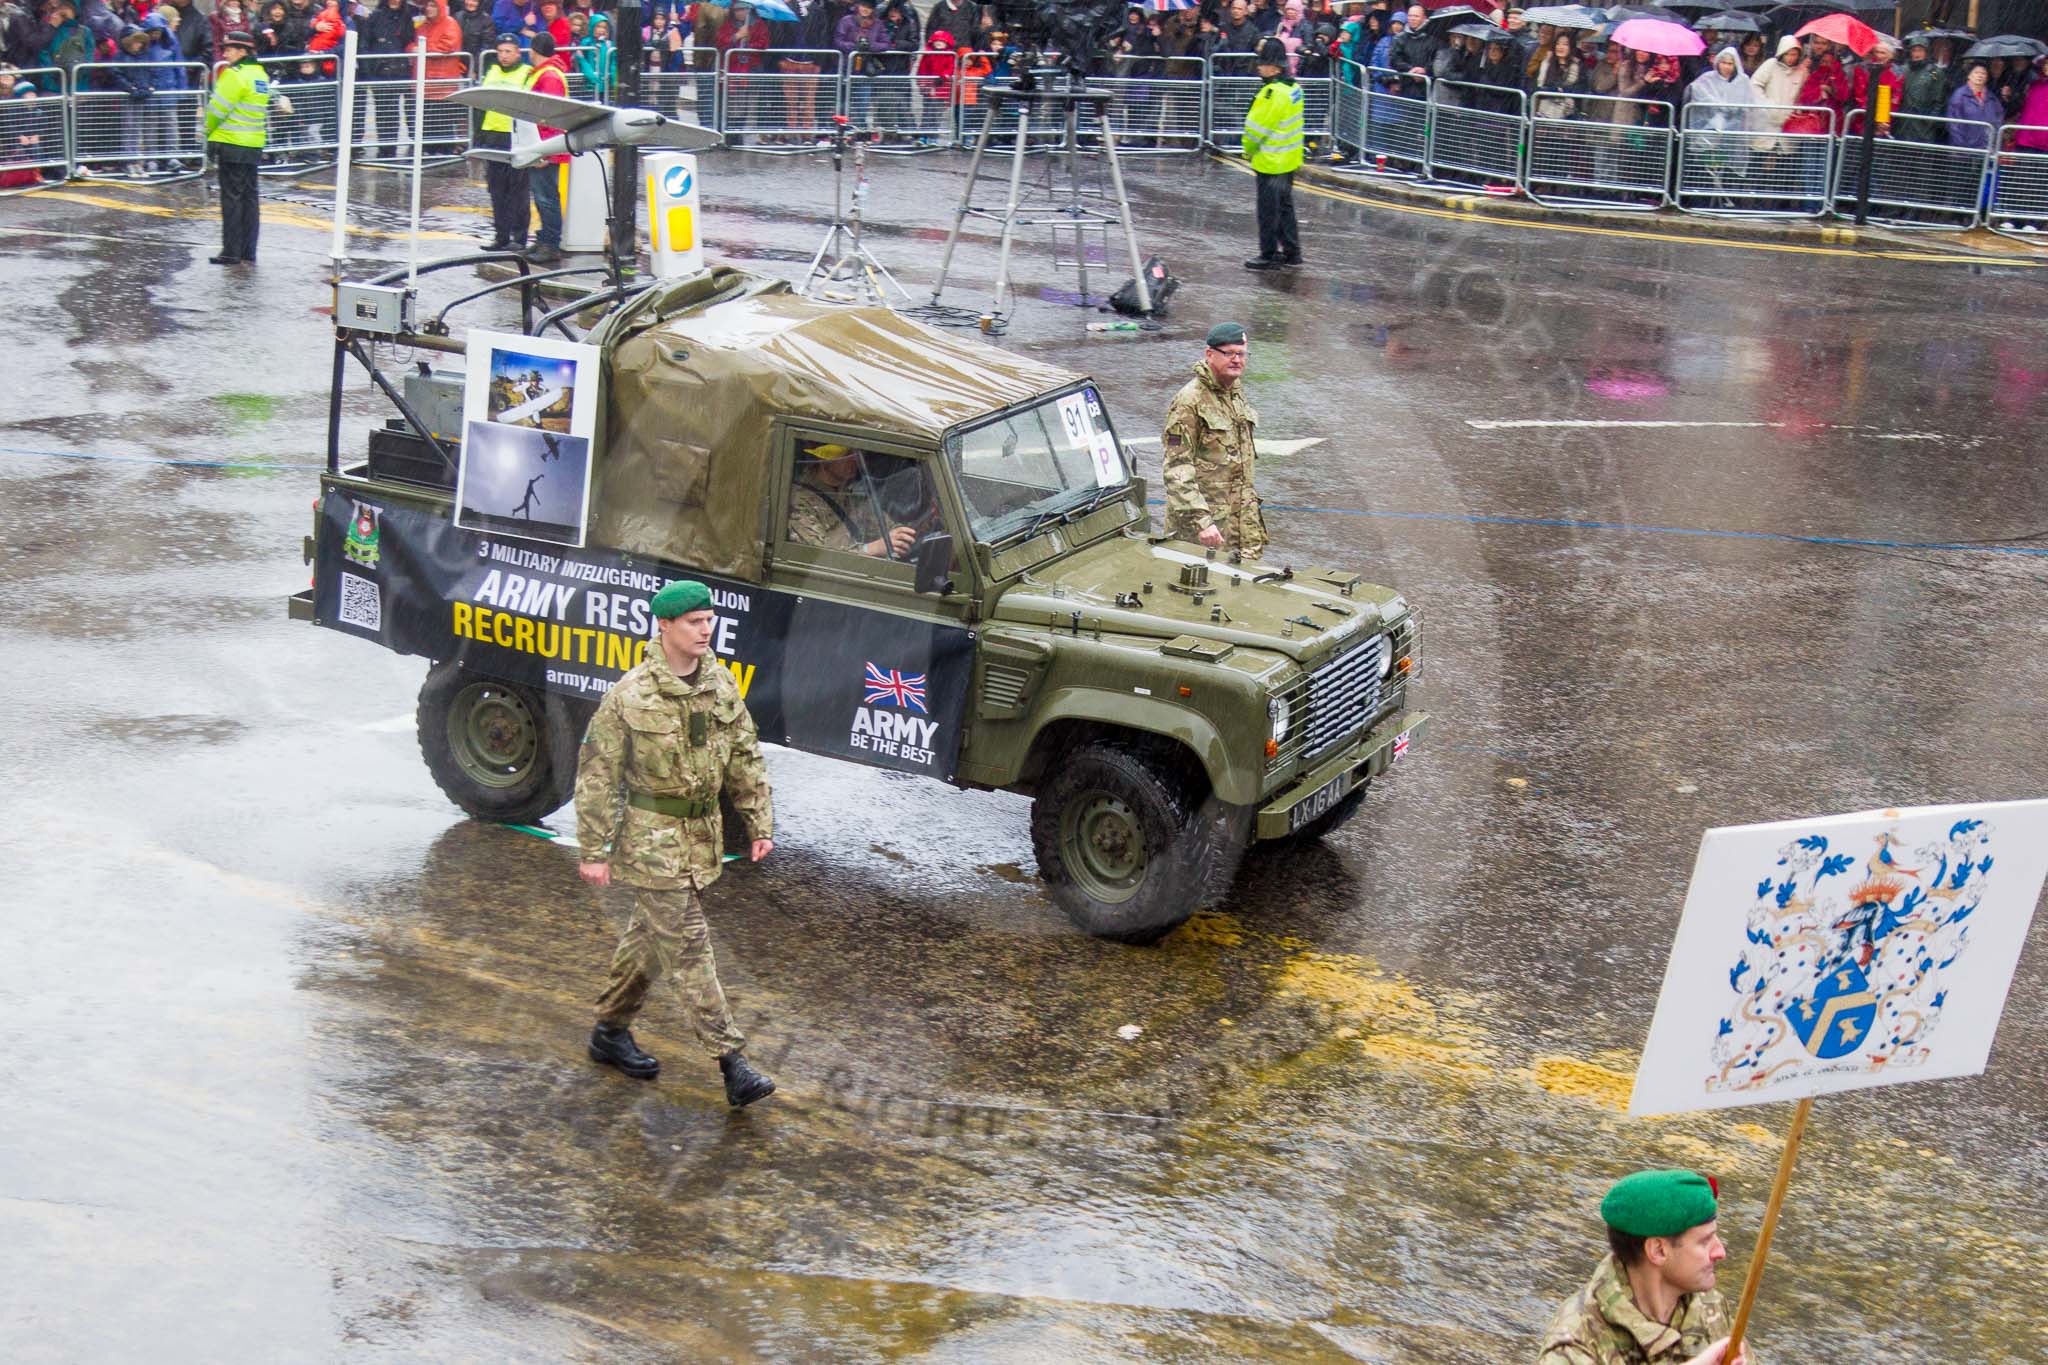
<point>698,372</point>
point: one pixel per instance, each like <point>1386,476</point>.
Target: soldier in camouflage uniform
<point>1209,452</point>
<point>825,509</point>
<point>665,741</point>
<point>1652,1301</point>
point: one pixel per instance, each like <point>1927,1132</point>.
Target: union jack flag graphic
<point>897,689</point>
<point>1400,745</point>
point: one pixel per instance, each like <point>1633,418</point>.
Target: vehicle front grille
<point>1344,694</point>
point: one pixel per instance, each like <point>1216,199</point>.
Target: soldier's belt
<point>679,806</point>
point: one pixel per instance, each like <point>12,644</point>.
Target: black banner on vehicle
<point>846,681</point>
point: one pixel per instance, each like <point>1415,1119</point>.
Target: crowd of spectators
<point>1751,81</point>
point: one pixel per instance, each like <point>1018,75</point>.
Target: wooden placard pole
<point>1770,1225</point>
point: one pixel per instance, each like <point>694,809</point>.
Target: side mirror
<point>935,563</point>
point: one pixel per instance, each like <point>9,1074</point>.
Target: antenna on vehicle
<point>419,145</point>
<point>337,251</point>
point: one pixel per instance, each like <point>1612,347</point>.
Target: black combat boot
<point>743,1084</point>
<point>615,1047</point>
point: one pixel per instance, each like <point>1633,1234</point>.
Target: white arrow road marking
<point>1266,447</point>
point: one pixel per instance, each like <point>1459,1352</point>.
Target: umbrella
<point>1660,36</point>
<point>1928,35</point>
<point>1728,21</point>
<point>2008,45</point>
<point>780,12</point>
<point>1487,33</point>
<point>1565,16</point>
<point>1454,14</point>
<point>1853,34</point>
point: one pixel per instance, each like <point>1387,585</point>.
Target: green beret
<point>1227,334</point>
<point>1659,1203</point>
<point>680,598</point>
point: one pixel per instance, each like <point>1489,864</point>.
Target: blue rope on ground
<point>1567,523</point>
<point>152,459</point>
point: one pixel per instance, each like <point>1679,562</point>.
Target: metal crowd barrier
<point>1915,184</point>
<point>772,103</point>
<point>581,87</point>
<point>310,135</point>
<point>1602,162</point>
<point>35,134</point>
<point>1754,171</point>
<point>1472,141</point>
<point>681,94</point>
<point>1396,137</point>
<point>1231,96</point>
<point>1154,114</point>
<point>897,102</point>
<point>384,111</point>
<point>160,134</point>
<point>970,108</point>
<point>2019,188</point>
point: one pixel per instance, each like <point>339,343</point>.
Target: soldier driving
<point>1209,452</point>
<point>1652,1301</point>
<point>668,738</point>
<point>825,509</point>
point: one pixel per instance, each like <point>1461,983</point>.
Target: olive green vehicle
<point>1161,705</point>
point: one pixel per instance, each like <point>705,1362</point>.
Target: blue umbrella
<point>776,10</point>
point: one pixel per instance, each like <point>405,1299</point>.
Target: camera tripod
<point>1063,94</point>
<point>854,275</point>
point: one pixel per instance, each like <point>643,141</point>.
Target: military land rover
<point>1161,706</point>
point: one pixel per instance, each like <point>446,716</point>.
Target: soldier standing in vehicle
<point>1210,452</point>
<point>1652,1301</point>
<point>670,736</point>
<point>1272,143</point>
<point>237,118</point>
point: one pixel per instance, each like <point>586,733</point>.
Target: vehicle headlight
<point>1280,712</point>
<point>1386,656</point>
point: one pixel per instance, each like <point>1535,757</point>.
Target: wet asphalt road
<point>294,1065</point>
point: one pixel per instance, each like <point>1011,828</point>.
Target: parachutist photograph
<point>1222,682</point>
<point>522,482</point>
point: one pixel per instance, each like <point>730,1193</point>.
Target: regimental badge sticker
<point>361,545</point>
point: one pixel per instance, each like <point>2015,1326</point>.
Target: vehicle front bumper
<point>1338,776</point>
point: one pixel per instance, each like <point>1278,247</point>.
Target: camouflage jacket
<point>647,737</point>
<point>1209,458</point>
<point>837,518</point>
<point>1601,1325</point>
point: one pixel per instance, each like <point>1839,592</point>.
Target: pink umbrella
<point>1660,36</point>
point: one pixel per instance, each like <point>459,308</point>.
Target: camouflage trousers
<point>667,936</point>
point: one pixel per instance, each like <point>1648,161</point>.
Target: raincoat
<point>935,69</point>
<point>1827,87</point>
<point>1982,118</point>
<point>598,62</point>
<point>443,38</point>
<point>2033,120</point>
<point>1724,104</point>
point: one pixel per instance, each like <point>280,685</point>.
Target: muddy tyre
<point>499,750</point>
<point>1126,847</point>
<point>1331,820</point>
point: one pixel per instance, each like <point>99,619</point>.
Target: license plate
<point>1319,801</point>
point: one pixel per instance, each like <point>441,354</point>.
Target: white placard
<point>1842,952</point>
<point>1074,417</point>
<point>1109,463</point>
<point>529,408</point>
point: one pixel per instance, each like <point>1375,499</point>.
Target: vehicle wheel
<point>1332,819</point>
<point>499,750</point>
<point>1124,847</point>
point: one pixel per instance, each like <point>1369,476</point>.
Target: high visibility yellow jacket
<point>494,74</point>
<point>1272,130</point>
<point>241,97</point>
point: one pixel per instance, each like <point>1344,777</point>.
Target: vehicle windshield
<point>1036,464</point>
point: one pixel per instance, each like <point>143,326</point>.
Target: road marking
<point>1792,248</point>
<point>275,215</point>
<point>1277,447</point>
<point>1621,424</point>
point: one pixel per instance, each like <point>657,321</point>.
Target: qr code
<point>361,604</point>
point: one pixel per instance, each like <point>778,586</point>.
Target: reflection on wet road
<point>295,1064</point>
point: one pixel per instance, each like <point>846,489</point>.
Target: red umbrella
<point>1853,34</point>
